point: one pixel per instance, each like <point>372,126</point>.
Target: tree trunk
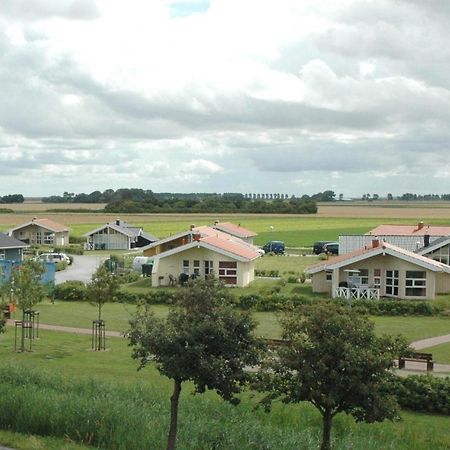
<point>327,420</point>
<point>174,415</point>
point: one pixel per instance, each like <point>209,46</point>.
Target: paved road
<point>81,269</point>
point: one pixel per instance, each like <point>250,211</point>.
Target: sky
<point>269,96</point>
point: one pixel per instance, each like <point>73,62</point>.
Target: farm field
<point>295,230</point>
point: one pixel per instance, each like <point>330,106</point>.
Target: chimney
<point>426,240</point>
<point>420,225</point>
<point>192,226</point>
<point>375,243</point>
<point>216,222</point>
<point>118,222</point>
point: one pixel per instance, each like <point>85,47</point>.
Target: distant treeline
<point>12,198</point>
<point>142,201</point>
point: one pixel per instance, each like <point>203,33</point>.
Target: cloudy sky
<point>290,96</point>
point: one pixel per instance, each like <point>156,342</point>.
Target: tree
<point>103,287</point>
<point>203,340</point>
<point>333,360</point>
<point>25,284</point>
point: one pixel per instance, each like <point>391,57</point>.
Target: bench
<point>417,357</point>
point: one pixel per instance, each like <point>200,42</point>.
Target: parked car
<point>276,247</point>
<point>332,248</point>
<point>56,257</point>
<point>318,246</point>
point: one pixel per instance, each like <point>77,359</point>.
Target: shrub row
<point>74,249</point>
<point>272,301</point>
<point>267,273</point>
<point>423,393</point>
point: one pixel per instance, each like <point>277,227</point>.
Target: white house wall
<point>434,285</point>
<point>173,265</point>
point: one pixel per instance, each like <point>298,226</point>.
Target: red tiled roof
<point>232,246</point>
<point>410,230</point>
<point>50,224</point>
<point>234,229</point>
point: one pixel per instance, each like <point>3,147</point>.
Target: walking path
<point>430,342</point>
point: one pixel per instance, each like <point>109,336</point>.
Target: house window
<point>2,254</point>
<point>228,272</point>
<point>196,267</point>
<point>441,255</point>
<point>208,267</point>
<point>416,283</point>
<point>329,275</point>
<point>48,238</point>
<point>186,266</point>
<point>364,276</point>
<point>377,278</point>
<point>392,282</point>
<point>39,238</point>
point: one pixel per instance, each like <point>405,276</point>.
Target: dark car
<point>318,246</point>
<point>276,247</point>
<point>332,248</point>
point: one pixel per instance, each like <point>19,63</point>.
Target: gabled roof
<point>10,242</point>
<point>383,248</point>
<point>410,230</point>
<point>436,244</point>
<point>234,230</point>
<point>232,250</point>
<point>44,223</point>
<point>216,240</point>
<point>124,228</point>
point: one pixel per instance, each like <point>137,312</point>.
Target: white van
<point>139,261</point>
<point>56,257</point>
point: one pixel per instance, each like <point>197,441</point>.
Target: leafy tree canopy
<point>334,360</point>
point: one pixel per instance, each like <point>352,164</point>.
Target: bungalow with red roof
<point>381,269</point>
<point>41,232</point>
<point>200,252</point>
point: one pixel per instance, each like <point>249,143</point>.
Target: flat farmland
<point>296,230</point>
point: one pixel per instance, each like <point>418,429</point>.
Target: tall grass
<point>114,416</point>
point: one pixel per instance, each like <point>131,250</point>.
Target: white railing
<point>363,293</point>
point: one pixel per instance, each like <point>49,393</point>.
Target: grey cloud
<point>44,9</point>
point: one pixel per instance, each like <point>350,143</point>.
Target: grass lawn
<point>24,441</point>
<point>116,315</point>
<point>413,328</point>
<point>441,352</point>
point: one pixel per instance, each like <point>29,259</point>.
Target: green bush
<point>70,291</point>
<point>74,249</point>
<point>61,265</point>
<point>423,393</point>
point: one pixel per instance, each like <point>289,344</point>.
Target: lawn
<point>441,352</point>
<point>116,315</point>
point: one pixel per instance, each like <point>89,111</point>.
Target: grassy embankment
<point>125,399</point>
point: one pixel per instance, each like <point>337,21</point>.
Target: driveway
<point>81,269</point>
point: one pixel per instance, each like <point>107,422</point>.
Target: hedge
<point>423,393</point>
<point>270,301</point>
